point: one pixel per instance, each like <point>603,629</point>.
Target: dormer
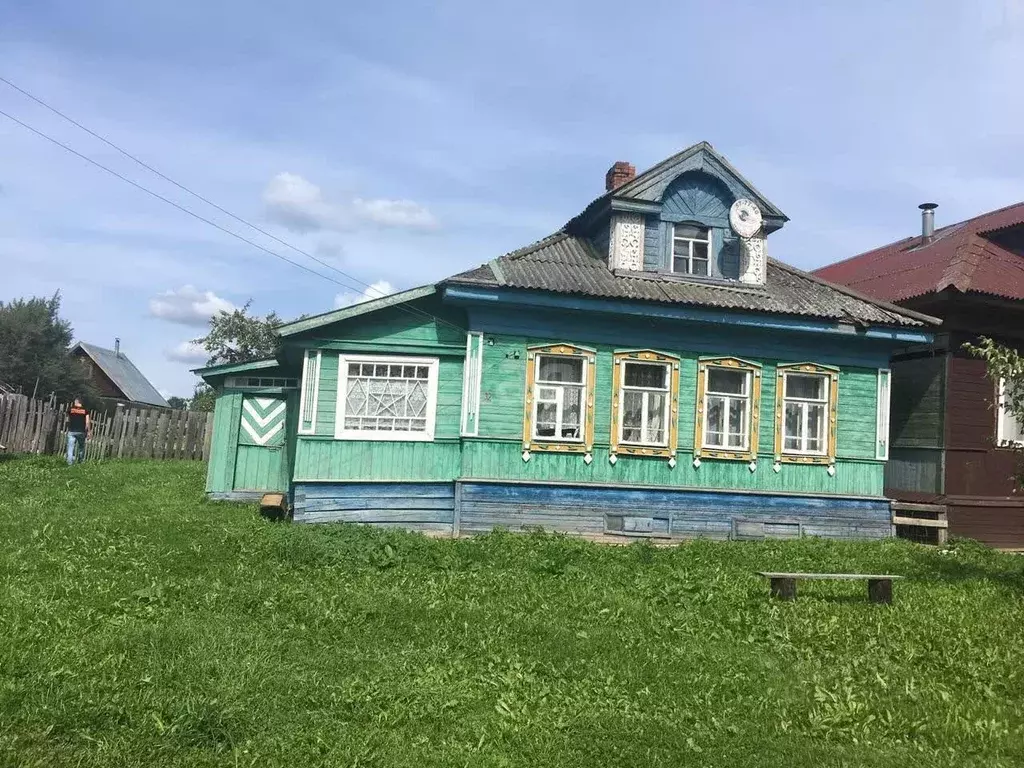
<point>692,217</point>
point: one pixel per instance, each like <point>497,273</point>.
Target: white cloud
<point>187,352</point>
<point>188,305</point>
<point>300,205</point>
<point>375,290</point>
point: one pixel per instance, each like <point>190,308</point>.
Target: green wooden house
<point>647,370</point>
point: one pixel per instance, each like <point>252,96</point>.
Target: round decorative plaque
<point>745,217</point>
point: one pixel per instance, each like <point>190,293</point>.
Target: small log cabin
<point>952,445</point>
<point>645,371</point>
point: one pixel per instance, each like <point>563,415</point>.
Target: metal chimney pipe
<point>117,347</point>
<point>928,221</point>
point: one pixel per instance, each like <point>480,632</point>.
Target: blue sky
<point>404,142</point>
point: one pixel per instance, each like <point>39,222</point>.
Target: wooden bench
<point>783,585</point>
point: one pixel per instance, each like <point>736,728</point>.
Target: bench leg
<point>880,590</point>
<point>784,589</point>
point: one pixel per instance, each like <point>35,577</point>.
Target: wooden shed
<point>253,449</point>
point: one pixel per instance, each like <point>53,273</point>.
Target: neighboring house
<point>950,441</point>
<point>115,377</point>
<point>644,371</point>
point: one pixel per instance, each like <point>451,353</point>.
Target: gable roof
<point>569,264</point>
<point>960,256</point>
<point>126,377</point>
<point>326,318</point>
<point>650,186</point>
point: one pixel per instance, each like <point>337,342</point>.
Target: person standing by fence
<point>79,428</point>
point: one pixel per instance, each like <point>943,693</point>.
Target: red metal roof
<point>961,256</point>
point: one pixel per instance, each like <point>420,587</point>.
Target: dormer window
<point>691,247</point>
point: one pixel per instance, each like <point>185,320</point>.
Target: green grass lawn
<point>143,626</point>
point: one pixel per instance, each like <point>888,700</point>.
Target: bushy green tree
<point>1006,364</point>
<point>34,345</point>
<point>203,398</point>
<point>238,337</point>
<point>178,403</point>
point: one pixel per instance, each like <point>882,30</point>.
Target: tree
<point>238,337</point>
<point>178,403</point>
<point>203,398</point>
<point>1005,364</point>
<point>34,342</point>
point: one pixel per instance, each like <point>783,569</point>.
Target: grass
<point>143,626</point>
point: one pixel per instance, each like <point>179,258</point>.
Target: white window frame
<point>748,398</point>
<point>1002,415</point>
<point>882,419</point>
<point>472,377</point>
<point>559,387</point>
<point>689,257</point>
<point>825,404</point>
<point>427,435</point>
<point>309,396</point>
<point>667,391</point>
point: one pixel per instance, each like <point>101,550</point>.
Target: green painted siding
<point>395,326</point>
<point>504,384</point>
<point>318,459</point>
<point>258,468</point>
<point>226,415</point>
<point>449,396</point>
<point>503,460</point>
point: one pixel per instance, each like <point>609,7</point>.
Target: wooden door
<point>260,464</point>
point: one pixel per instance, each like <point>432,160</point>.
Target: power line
<point>151,169</point>
<point>180,186</point>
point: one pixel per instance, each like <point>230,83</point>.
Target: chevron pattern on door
<point>262,421</point>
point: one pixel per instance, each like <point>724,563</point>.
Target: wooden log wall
<point>40,427</point>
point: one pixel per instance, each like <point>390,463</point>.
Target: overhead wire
<point>413,310</point>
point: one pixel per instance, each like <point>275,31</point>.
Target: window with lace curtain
<point>559,399</point>
<point>386,398</point>
<point>644,403</point>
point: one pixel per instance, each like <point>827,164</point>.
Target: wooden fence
<point>38,426</point>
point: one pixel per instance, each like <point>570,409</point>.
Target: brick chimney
<point>618,175</point>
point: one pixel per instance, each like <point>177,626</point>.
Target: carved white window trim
<point>627,242</point>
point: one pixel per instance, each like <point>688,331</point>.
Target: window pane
<point>700,251</point>
<point>547,413</point>
<point>547,394</point>
<point>816,426</point>
<point>806,387</point>
<point>681,264</point>
<point>655,434</point>
<point>793,425</point>
<point>572,400</point>
<point>715,423</point>
<point>558,368</point>
<point>700,267</point>
<point>737,423</point>
<point>650,375</point>
<point>690,231</point>
<point>681,248</point>
<point>632,416</point>
<point>727,382</point>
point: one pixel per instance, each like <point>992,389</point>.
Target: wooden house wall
<point>466,484</point>
<point>395,331</point>
<point>917,426</point>
<point>104,385</point>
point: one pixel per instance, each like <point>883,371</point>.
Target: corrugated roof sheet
<point>961,256</point>
<point>124,374</point>
<point>564,263</point>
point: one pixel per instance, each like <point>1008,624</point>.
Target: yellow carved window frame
<point>618,372</point>
<point>589,357</point>
<point>754,416</point>
<point>832,409</point>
